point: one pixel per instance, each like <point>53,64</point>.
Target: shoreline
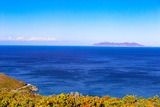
<point>12,84</point>
<point>25,96</point>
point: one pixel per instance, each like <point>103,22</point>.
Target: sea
<point>89,70</point>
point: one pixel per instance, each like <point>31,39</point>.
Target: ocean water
<point>88,70</point>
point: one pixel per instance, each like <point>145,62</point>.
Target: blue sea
<point>89,70</point>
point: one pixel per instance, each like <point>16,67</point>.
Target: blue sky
<point>79,22</point>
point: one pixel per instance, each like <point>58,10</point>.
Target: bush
<point>28,99</point>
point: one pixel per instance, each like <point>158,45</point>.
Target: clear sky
<point>79,22</point>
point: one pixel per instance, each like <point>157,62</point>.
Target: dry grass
<point>10,83</point>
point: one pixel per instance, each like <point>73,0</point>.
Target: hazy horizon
<point>85,22</point>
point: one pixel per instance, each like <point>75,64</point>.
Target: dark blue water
<point>88,70</point>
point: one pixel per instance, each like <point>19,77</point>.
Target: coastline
<point>12,84</point>
<point>29,98</point>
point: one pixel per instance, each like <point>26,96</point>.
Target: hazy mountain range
<point>124,44</point>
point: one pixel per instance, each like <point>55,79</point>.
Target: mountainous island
<point>114,44</point>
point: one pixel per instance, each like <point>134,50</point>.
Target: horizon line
<point>81,46</point>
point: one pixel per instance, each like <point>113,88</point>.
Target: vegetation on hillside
<point>26,98</point>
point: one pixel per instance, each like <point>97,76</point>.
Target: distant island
<point>114,44</point>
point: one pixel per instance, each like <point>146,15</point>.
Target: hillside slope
<point>10,83</point>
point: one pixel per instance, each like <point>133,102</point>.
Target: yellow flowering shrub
<point>28,99</point>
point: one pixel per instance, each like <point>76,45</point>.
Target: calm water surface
<point>88,70</point>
